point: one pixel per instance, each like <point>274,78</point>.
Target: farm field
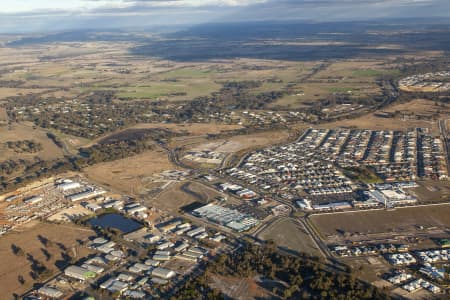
<point>131,175</point>
<point>72,69</point>
<point>354,78</point>
<point>297,240</point>
<point>381,221</point>
<point>43,242</point>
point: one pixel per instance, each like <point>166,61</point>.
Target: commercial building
<point>79,273</point>
<point>85,195</point>
<point>68,185</point>
<point>33,199</point>
<point>163,273</point>
<point>50,292</point>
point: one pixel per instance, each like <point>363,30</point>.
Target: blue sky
<point>53,15</point>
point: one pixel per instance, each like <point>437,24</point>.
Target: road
<point>304,222</point>
<point>444,136</point>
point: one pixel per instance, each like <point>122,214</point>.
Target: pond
<point>115,221</point>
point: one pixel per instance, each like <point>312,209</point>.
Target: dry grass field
<point>3,115</point>
<point>381,221</point>
<point>296,240</point>
<point>26,131</point>
<point>191,129</point>
<point>240,288</point>
<point>242,142</point>
<point>172,198</point>
<point>130,175</point>
<point>32,240</point>
<point>417,107</point>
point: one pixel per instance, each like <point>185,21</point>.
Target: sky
<point>55,15</point>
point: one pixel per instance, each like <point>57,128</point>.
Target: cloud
<point>144,13</point>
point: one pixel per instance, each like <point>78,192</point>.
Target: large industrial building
<point>79,273</point>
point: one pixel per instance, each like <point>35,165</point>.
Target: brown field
<point>240,288</point>
<point>374,122</point>
<point>130,175</point>
<point>25,131</point>
<point>189,131</point>
<point>192,128</point>
<point>9,92</point>
<point>173,198</point>
<point>27,239</point>
<point>242,142</point>
<point>432,191</point>
<point>289,235</point>
<point>3,115</point>
<point>381,221</point>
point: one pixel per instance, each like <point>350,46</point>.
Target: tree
<point>17,250</point>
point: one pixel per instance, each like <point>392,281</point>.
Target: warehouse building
<point>68,185</point>
<point>85,195</point>
<point>79,273</point>
<point>50,292</point>
<point>163,273</point>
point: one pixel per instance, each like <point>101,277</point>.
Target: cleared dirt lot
<point>25,131</point>
<point>130,175</point>
<point>380,221</point>
<point>290,235</point>
<point>32,240</point>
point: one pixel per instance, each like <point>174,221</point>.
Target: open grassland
<point>46,243</point>
<point>26,131</point>
<point>131,175</point>
<point>381,221</point>
<point>289,235</point>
